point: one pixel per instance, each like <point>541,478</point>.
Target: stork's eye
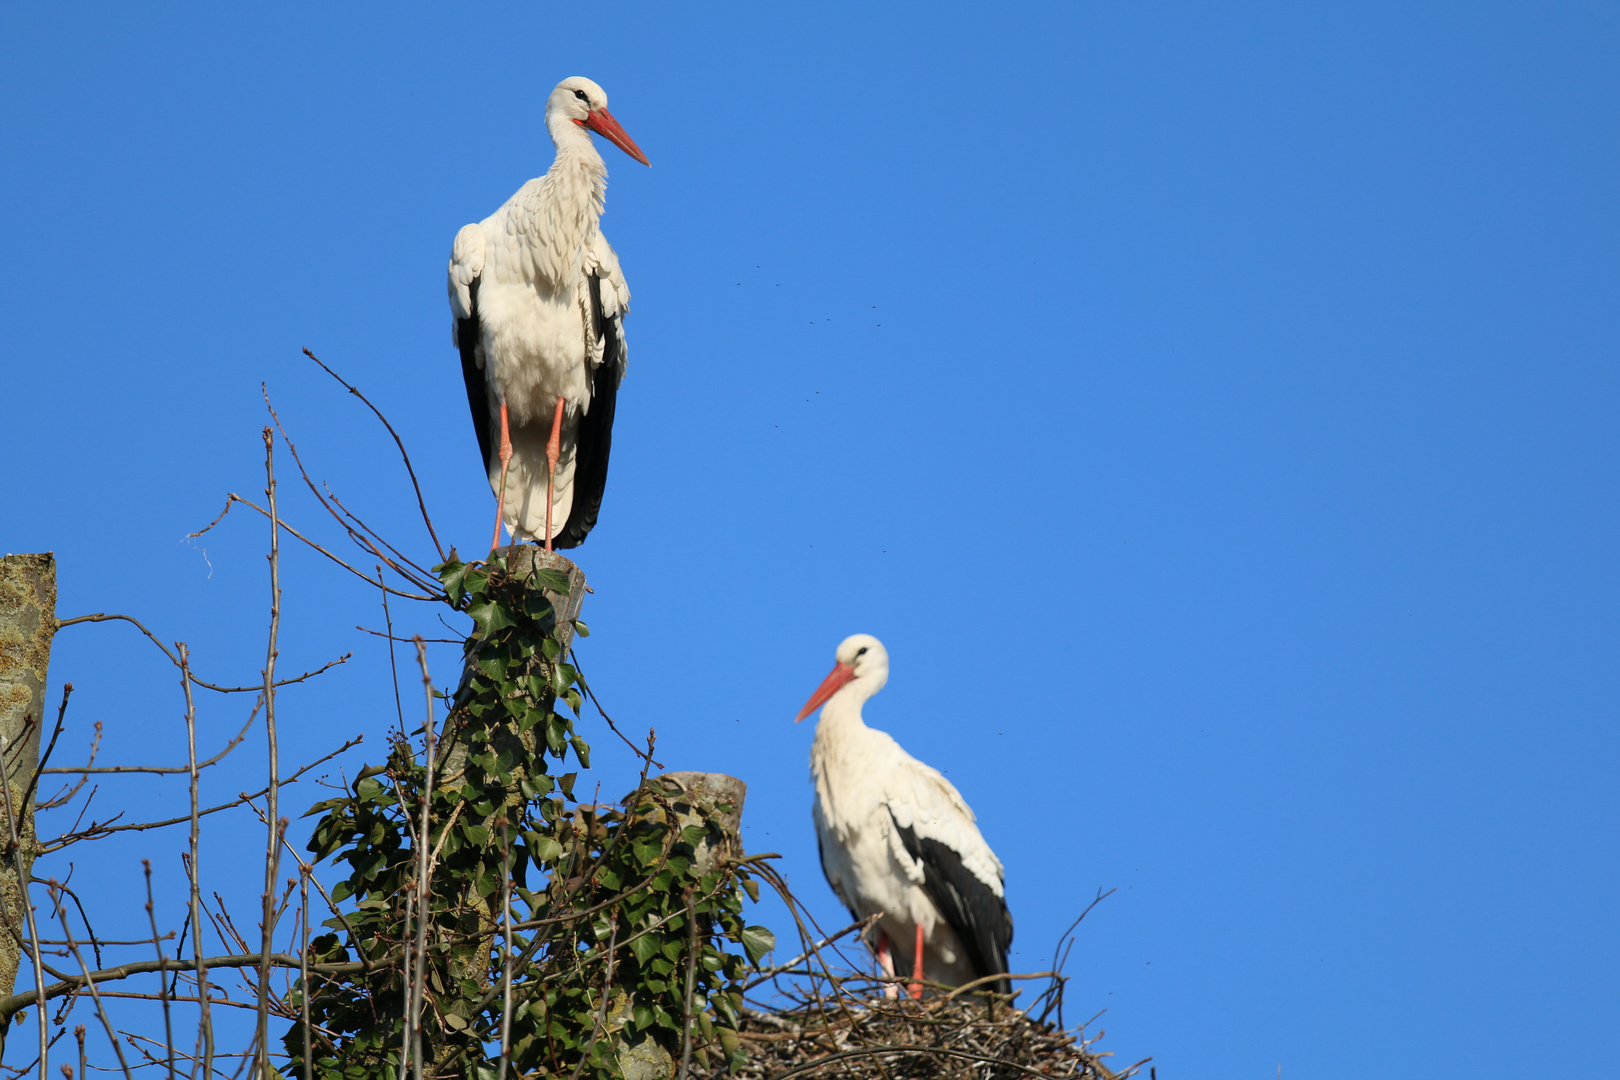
<point>860,652</point>
<point>581,95</point>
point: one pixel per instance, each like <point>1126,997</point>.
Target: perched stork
<point>898,841</point>
<point>538,305</point>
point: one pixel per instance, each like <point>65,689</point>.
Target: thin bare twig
<point>205,1022</point>
<point>506,952</point>
<point>426,520</point>
<point>303,970</point>
<point>580,676</point>
<point>232,498</point>
<point>691,978</point>
<point>602,1004</point>
<point>414,1019</point>
<point>364,537</point>
<point>157,943</point>
<point>770,973</point>
<point>102,616</point>
<point>97,831</point>
<point>15,845</point>
<point>90,982</point>
<point>61,713</point>
<point>272,857</point>
<point>393,664</point>
<point>163,769</point>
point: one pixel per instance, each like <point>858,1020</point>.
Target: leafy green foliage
<point>614,911</point>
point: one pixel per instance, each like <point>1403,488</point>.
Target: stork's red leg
<point>553,452</point>
<point>885,957</point>
<point>916,966</point>
<point>505,454</point>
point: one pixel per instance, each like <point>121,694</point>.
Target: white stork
<point>898,841</point>
<point>538,304</point>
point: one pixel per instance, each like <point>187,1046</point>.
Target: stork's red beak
<point>601,121</point>
<point>834,682</point>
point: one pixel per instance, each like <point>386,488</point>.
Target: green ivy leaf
<point>489,617</point>
<point>554,580</point>
<point>453,576</point>
<point>757,941</point>
<point>646,946</point>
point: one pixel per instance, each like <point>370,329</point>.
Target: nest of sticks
<point>822,1015</point>
<point>946,1038</point>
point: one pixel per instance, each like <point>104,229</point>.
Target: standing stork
<point>539,304</point>
<point>898,841</point>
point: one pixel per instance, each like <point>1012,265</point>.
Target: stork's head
<point>579,101</point>
<point>863,663</point>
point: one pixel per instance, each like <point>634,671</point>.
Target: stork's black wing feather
<point>979,917</point>
<point>821,853</point>
<point>468,333</point>
<point>595,439</point>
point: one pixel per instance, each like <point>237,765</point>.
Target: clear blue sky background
<point>1212,408</point>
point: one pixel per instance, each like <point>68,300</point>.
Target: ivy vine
<point>615,961</point>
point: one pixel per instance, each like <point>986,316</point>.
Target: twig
<point>359,538</point>
<point>97,831</point>
<point>23,882</point>
<point>233,498</point>
<point>157,943</point>
<point>232,745</point>
<point>770,973</point>
<point>393,665</point>
<point>95,994</point>
<point>61,712</point>
<point>1060,956</point>
<point>506,953</point>
<point>407,982</point>
<point>691,978</point>
<point>272,857</point>
<point>414,1020</point>
<point>303,969</point>
<point>639,752</point>
<point>602,1004</point>
<point>397,442</point>
<point>65,796</point>
<point>205,1021</point>
<point>102,616</point>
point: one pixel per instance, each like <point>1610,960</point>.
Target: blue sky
<point>1212,409</point>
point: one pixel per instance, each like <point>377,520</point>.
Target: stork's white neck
<point>564,206</point>
<point>843,710</point>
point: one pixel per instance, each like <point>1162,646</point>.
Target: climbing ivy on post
<point>613,949</point>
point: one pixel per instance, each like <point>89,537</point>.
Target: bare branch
<point>272,857</point>
<point>90,982</point>
<point>157,943</point>
<point>97,831</point>
<point>75,770</point>
<point>250,504</point>
<point>205,1022</point>
<point>102,616</point>
<point>15,846</point>
<point>426,520</point>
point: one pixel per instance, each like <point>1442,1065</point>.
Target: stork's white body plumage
<point>898,840</point>
<point>538,302</point>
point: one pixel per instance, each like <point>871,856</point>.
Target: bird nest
<point>936,1038</point>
